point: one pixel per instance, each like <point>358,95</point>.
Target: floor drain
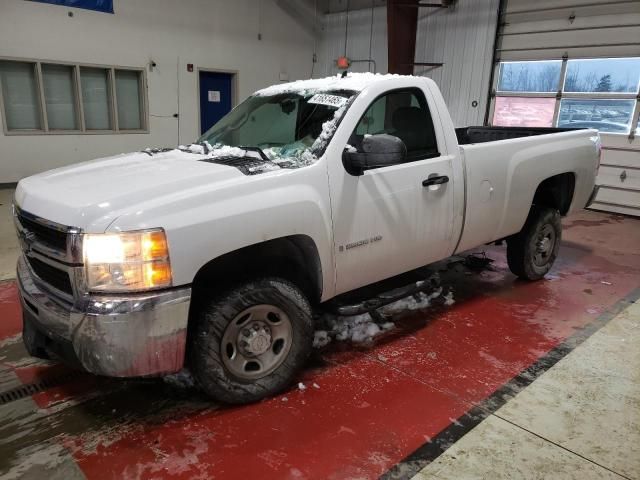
<point>29,389</point>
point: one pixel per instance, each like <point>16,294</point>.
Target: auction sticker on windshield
<point>328,100</point>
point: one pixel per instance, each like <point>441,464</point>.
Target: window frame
<point>560,94</point>
<point>78,104</point>
<point>420,95</point>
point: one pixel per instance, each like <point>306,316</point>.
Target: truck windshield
<point>291,126</point>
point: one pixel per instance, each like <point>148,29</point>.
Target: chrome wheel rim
<point>544,246</point>
<point>256,341</point>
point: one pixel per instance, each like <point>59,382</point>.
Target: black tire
<point>529,256</point>
<point>214,374</point>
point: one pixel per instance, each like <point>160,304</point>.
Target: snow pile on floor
<point>363,329</point>
<point>411,303</point>
<point>358,329</point>
<point>448,299</point>
<point>321,339</point>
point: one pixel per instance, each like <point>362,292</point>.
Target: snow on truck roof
<point>353,81</point>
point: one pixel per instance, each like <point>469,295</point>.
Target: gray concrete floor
<point>9,249</point>
<point>579,420</point>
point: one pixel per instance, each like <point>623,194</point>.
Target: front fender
<point>205,225</point>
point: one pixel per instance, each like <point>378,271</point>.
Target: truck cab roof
<point>351,81</point>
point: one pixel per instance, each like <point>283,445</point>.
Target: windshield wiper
<point>257,150</point>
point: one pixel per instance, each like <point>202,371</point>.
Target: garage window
<point>60,97</point>
<point>530,76</point>
<point>526,93</point>
<point>128,99</point>
<point>582,93</point>
<point>95,98</point>
<point>20,96</point>
<point>52,98</point>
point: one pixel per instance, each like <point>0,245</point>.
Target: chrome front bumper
<point>111,335</point>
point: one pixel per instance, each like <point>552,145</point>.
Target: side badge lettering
<point>360,243</point>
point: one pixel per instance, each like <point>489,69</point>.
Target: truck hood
<point>91,195</point>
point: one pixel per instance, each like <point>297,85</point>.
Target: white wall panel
<point>332,44</point>
<point>211,34</point>
<point>560,24</point>
<point>461,37</point>
<point>551,29</point>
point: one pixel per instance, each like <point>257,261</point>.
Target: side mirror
<point>380,150</point>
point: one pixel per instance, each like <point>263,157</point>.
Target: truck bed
<point>504,167</point>
<point>469,135</point>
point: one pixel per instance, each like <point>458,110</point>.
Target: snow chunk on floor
<point>321,339</point>
<point>411,303</point>
<point>448,299</point>
<point>364,332</point>
<point>358,328</point>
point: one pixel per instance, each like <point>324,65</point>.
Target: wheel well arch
<point>556,192</point>
<point>294,258</point>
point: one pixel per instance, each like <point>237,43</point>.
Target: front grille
<point>53,276</point>
<point>48,235</point>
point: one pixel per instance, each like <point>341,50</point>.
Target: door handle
<point>437,180</point>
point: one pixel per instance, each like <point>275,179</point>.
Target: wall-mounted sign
<point>105,6</point>
<point>214,96</point>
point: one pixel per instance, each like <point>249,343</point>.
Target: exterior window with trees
<point>595,93</point>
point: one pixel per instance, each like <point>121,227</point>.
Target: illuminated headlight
<point>128,261</point>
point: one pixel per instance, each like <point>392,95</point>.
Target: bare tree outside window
<point>530,76</point>
<point>603,75</point>
<point>597,93</point>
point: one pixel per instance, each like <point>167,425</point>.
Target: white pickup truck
<point>212,255</point>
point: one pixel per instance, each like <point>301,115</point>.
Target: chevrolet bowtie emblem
<point>27,236</point>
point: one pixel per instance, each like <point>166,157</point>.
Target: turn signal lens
<point>128,261</point>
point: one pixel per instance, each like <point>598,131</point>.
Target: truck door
<point>385,221</point>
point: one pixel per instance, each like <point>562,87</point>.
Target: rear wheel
<point>250,342</point>
<point>532,252</point>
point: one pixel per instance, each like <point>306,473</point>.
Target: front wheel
<point>250,342</point>
<point>532,251</point>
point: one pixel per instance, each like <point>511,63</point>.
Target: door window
<point>403,114</point>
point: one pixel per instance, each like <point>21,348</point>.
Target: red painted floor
<point>373,405</point>
<point>10,312</point>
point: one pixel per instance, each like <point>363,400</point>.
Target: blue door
<point>215,98</point>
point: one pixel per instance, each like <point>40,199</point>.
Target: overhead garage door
<point>575,63</point>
